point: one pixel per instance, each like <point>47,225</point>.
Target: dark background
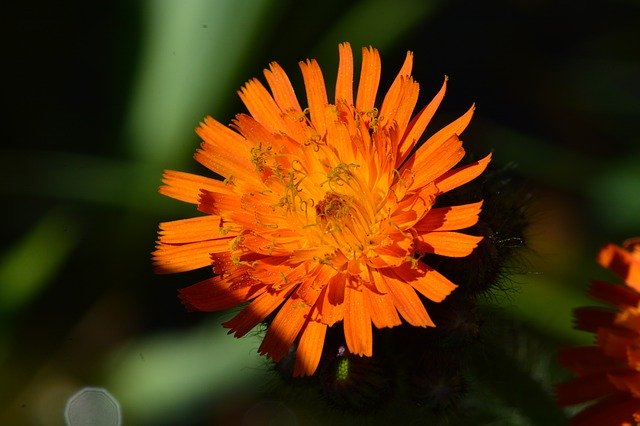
<point>101,97</point>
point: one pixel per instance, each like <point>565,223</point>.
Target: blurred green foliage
<point>102,97</point>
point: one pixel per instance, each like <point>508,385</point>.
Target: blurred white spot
<point>92,407</point>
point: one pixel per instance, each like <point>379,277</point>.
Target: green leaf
<point>30,264</point>
<point>165,374</point>
<point>191,50</point>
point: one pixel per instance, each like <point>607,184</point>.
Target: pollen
<point>333,207</point>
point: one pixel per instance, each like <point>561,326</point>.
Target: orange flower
<point>323,213</point>
<point>609,371</point>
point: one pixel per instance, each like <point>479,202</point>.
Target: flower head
<point>324,212</point>
<point>608,372</point>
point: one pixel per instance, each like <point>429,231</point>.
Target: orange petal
<point>629,318</point>
<point>200,228</point>
<point>633,361</point>
<point>225,152</point>
<point>414,207</point>
<point>617,409</point>
<point>225,206</point>
<point>428,165</point>
<point>394,94</point>
<point>310,348</point>
<point>381,308</point>
<point>395,252</point>
<point>186,186</point>
<point>281,88</point>
<point>378,281</point>
<point>585,360</point>
<point>449,218</point>
<point>357,323</point>
<point>171,259</point>
<point>261,106</point>
<point>435,142</point>
<point>615,342</point>
<point>407,66</point>
<point>401,115</point>
<point>622,263</point>
<point>418,125</point>
<point>626,381</point>
<point>271,270</point>
<point>234,267</point>
<point>255,312</point>
<point>456,127</point>
<point>267,219</point>
<point>268,151</point>
<point>316,93</point>
<point>226,167</point>
<point>335,293</point>
<point>461,175</point>
<point>215,294</point>
<point>338,134</point>
<point>254,132</point>
<point>313,282</point>
<point>268,242</point>
<point>433,285</point>
<point>613,294</point>
<point>220,136</point>
<point>408,303</point>
<point>331,300</point>
<point>344,81</point>
<point>592,318</point>
<point>230,208</point>
<point>285,328</point>
<point>583,389</point>
<point>447,243</point>
<point>369,79</point>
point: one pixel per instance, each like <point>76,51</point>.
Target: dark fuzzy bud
<point>502,224</point>
<point>437,382</point>
<point>354,382</point>
<point>457,321</point>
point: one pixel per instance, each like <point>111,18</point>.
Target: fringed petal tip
<point>448,243</point>
<point>624,263</point>
<point>187,302</point>
<point>160,268</point>
<point>592,318</point>
<point>461,175</point>
<point>613,294</point>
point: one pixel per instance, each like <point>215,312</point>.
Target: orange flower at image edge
<point>323,214</point>
<point>608,372</point>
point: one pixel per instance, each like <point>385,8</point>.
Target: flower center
<point>344,216</point>
<point>332,209</point>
